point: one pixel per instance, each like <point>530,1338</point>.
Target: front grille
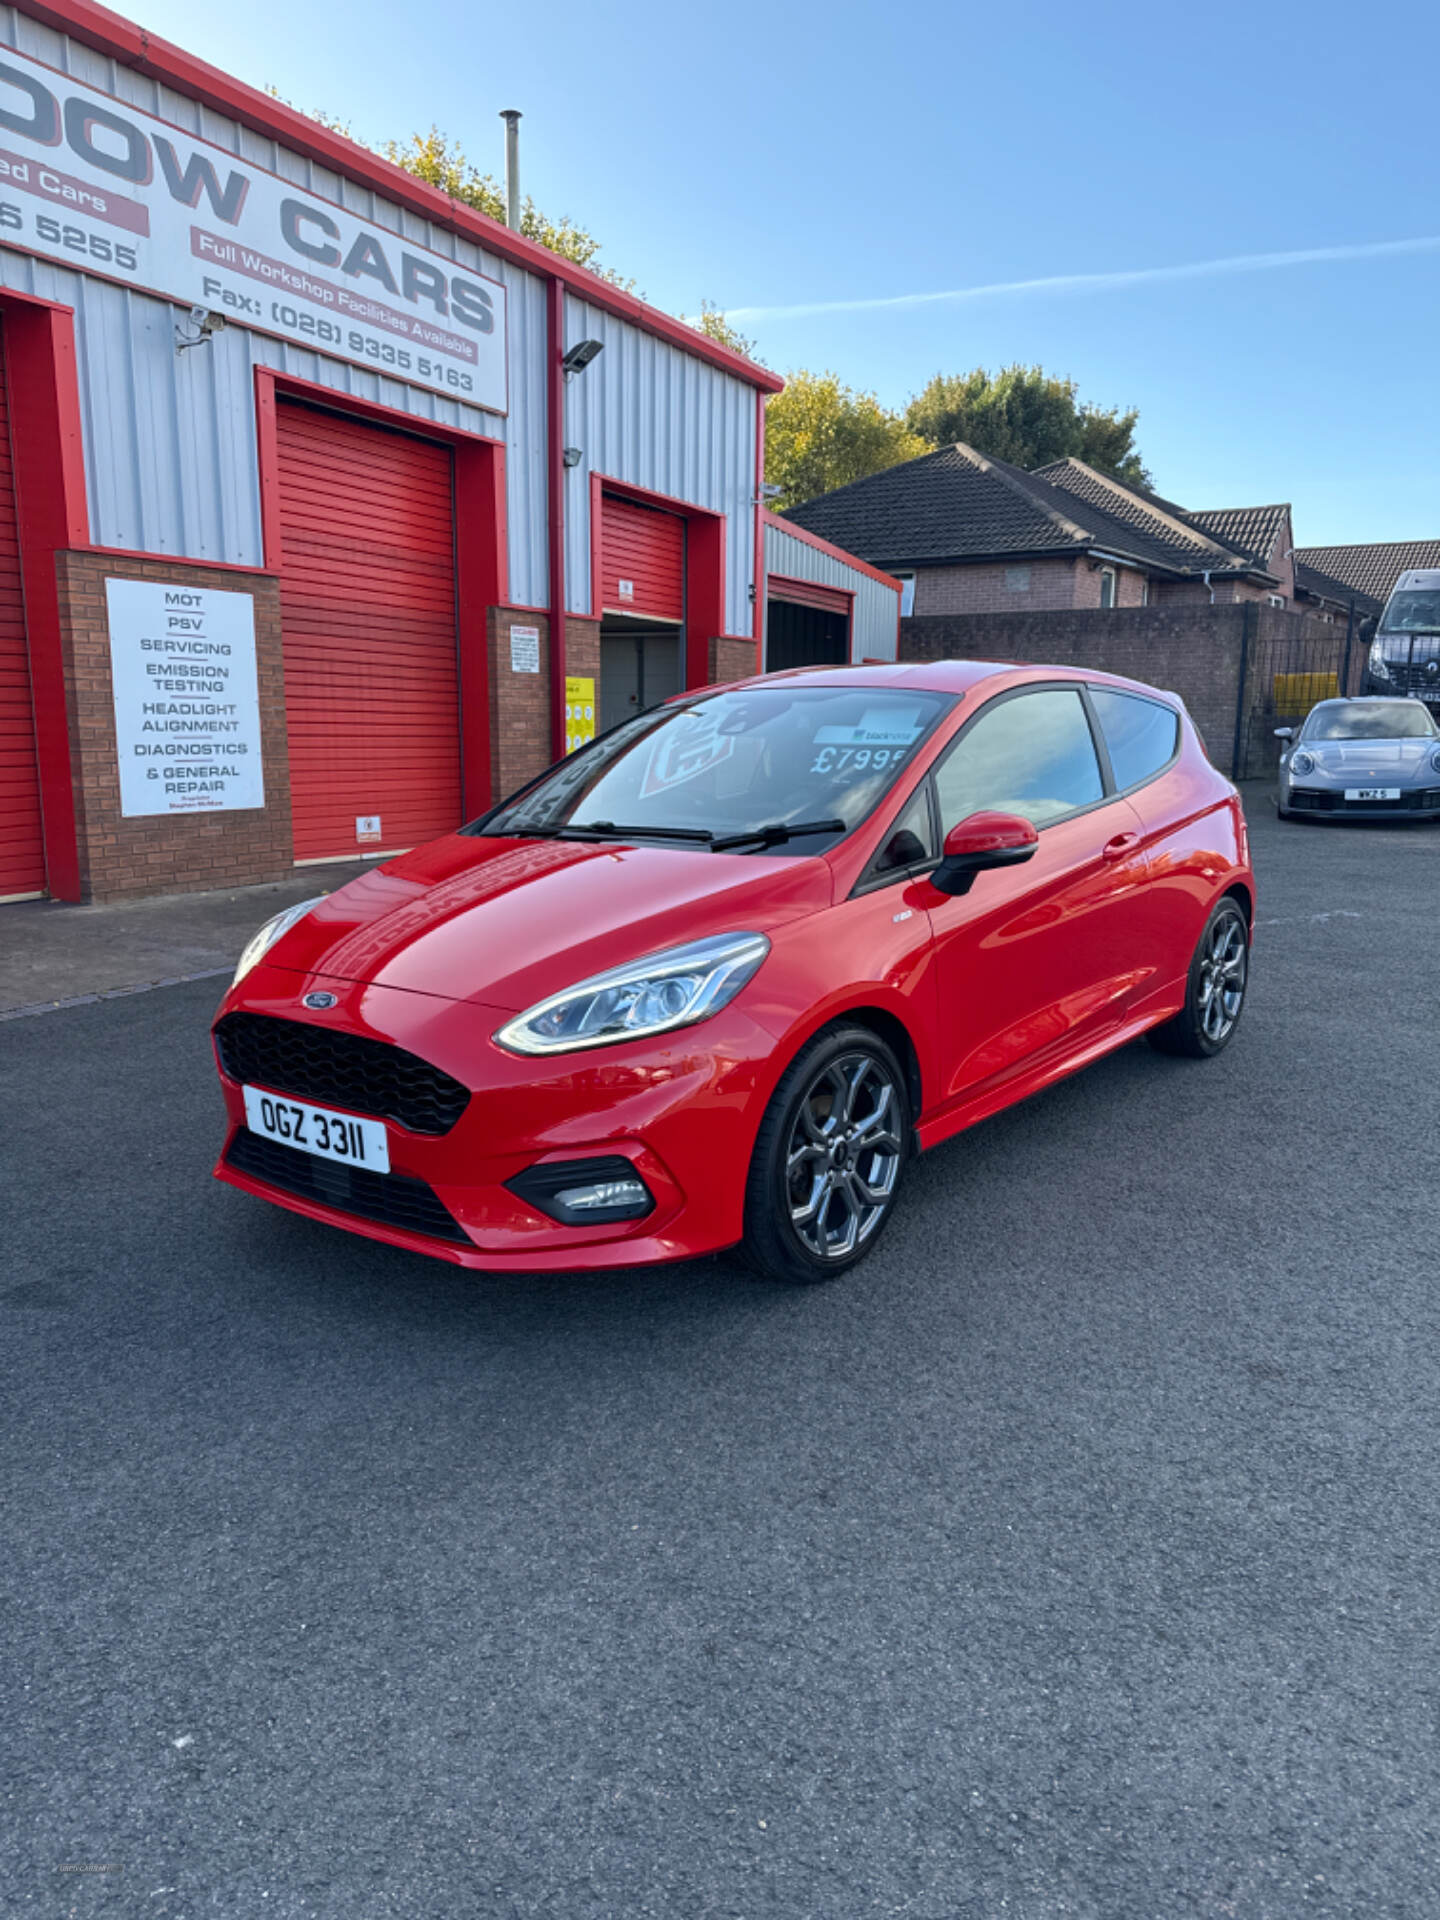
<point>341,1069</point>
<point>390,1198</point>
<point>1412,800</point>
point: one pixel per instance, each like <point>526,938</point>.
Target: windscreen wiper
<point>607,830</point>
<point>773,835</point>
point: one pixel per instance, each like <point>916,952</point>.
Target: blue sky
<point>799,154</point>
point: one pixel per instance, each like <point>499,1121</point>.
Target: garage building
<point>331,510</point>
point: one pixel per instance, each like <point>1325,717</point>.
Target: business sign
<point>94,184</point>
<point>187,703</point>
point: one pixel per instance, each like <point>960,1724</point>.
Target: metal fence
<point>1286,665</point>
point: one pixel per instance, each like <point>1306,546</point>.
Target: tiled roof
<point>1165,529</point>
<point>956,504</point>
<point>1250,530</point>
<point>1324,586</point>
<point>1371,569</point>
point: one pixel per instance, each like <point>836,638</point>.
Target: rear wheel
<point>1215,992</point>
<point>829,1158</point>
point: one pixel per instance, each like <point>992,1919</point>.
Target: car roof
<point>951,676</point>
<point>1422,578</point>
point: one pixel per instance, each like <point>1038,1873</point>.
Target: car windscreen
<point>1369,720</point>
<point>1415,611</point>
<point>762,762</point>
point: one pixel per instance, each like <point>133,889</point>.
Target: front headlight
<point>1435,759</point>
<point>1379,665</point>
<point>1302,763</point>
<point>260,943</point>
<point>671,989</point>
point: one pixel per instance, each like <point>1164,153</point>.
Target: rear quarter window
<point>1140,734</point>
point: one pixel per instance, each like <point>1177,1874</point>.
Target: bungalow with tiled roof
<point>1369,571</point>
<point>971,534</point>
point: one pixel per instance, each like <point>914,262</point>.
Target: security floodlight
<point>572,456</point>
<point>205,322</point>
<point>580,356</point>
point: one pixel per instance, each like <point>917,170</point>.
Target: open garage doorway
<point>641,664</point>
<point>805,635</point>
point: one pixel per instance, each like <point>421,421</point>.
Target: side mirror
<point>1284,733</point>
<point>983,840</point>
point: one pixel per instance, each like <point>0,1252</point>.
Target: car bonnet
<point>507,922</point>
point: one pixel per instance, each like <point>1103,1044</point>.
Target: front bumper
<point>1417,803</point>
<point>682,1109</point>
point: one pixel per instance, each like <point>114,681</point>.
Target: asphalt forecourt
<point>1076,1555</point>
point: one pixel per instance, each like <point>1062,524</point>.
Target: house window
<point>1017,579</point>
<point>1145,590</point>
<point>1107,586</point>
<point>907,594</point>
<point>1276,599</point>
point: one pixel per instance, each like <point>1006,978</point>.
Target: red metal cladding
<point>367,590</point>
<point>22,851</point>
<point>806,593</point>
<point>642,559</point>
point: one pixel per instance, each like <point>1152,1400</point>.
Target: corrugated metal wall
<point>876,606</point>
<point>170,438</point>
<point>647,413</point>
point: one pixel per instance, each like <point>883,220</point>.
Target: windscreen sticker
<point>683,750</point>
<point>875,729</point>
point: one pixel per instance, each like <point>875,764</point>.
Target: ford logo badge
<point>319,1001</point>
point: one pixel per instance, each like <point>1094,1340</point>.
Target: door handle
<point>1117,848</point>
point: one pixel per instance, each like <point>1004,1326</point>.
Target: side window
<point>911,839</point>
<point>1141,734</point>
<point>1032,754</point>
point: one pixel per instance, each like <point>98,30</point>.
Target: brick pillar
<point>125,858</point>
<point>732,659</point>
<point>520,701</point>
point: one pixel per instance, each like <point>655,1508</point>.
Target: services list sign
<point>187,701</point>
<point>91,182</point>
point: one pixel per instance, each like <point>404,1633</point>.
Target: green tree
<point>435,159</point>
<point>1028,417</point>
<point>820,434</point>
<point>713,324</point>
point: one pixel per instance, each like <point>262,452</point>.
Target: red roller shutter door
<point>807,593</point>
<point>367,591</point>
<point>642,560</point>
<point>22,850</point>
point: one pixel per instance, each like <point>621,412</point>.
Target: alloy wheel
<point>843,1156</point>
<point>1224,966</point>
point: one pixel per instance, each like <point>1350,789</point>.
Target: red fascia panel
<point>53,516</point>
<point>806,593</point>
<point>112,34</point>
<point>824,546</point>
<point>757,591</point>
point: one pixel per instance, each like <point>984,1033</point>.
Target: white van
<point>1405,653</point>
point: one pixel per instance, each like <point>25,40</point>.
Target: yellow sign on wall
<point>579,711</point>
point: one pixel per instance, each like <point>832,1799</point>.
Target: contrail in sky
<point>1097,282</point>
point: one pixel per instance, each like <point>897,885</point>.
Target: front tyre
<point>829,1158</point>
<point>1215,992</point>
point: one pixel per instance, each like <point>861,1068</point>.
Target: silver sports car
<point>1367,759</point>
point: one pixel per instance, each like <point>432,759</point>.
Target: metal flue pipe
<point>511,117</point>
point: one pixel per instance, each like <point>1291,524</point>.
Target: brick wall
<point>983,589</point>
<point>520,702</point>
<point>165,853</point>
<point>1195,651</point>
<point>731,659</point>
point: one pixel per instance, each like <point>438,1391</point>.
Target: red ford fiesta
<point>714,978</point>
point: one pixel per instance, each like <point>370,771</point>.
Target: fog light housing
<point>585,1193</point>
